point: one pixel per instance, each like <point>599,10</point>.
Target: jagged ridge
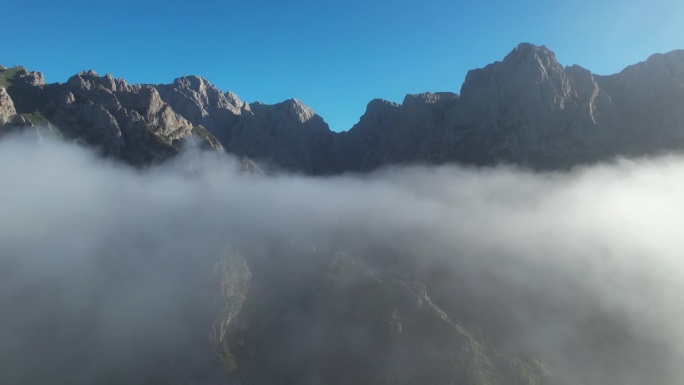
<point>527,109</point>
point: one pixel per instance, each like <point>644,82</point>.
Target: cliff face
<point>523,109</point>
<point>286,135</point>
<point>527,109</point>
<point>390,133</point>
<point>646,101</point>
<point>9,118</point>
<point>7,110</point>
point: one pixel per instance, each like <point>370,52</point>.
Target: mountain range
<point>526,109</point>
<point>353,308</point>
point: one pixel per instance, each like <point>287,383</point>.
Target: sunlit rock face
<point>7,111</point>
<point>202,103</point>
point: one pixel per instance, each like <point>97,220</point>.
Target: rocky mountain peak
<point>412,100</point>
<point>527,51</point>
<point>525,108</point>
<point>109,82</point>
<point>377,106</point>
<point>298,110</point>
<point>91,80</point>
<point>204,94</point>
<point>528,81</point>
<point>291,109</point>
<point>29,78</point>
<point>524,67</point>
<point>668,66</point>
<point>377,112</point>
<point>90,72</point>
<point>194,82</point>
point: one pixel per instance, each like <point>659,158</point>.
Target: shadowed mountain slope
<point>526,109</point>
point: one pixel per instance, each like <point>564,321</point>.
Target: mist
<point>103,266</point>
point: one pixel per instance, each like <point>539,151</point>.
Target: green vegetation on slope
<point>23,101</point>
<point>207,139</point>
<point>7,76</point>
<point>35,117</point>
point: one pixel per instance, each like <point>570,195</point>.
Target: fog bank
<point>107,261</point>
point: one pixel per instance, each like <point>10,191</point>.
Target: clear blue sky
<point>335,56</point>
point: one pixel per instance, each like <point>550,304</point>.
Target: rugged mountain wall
<point>286,135</point>
<point>530,110</point>
<point>390,133</point>
<point>129,122</point>
<point>527,109</point>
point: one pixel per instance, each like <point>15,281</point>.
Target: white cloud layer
<point>83,235</point>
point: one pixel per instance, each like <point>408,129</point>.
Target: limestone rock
<point>7,111</point>
<point>29,78</point>
<point>287,135</point>
<point>9,118</point>
<point>129,122</point>
<point>201,103</point>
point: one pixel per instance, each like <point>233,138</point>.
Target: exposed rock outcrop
<point>7,111</point>
<point>132,123</point>
<point>9,119</point>
<point>201,103</point>
<point>335,321</point>
<point>29,78</point>
<point>234,278</point>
